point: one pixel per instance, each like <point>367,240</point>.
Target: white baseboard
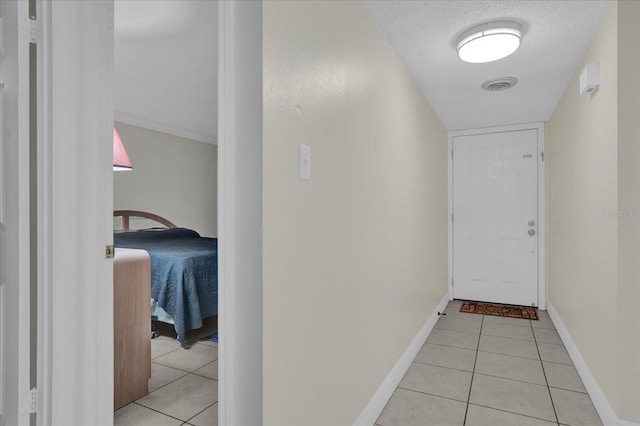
<point>372,410</point>
<point>600,401</point>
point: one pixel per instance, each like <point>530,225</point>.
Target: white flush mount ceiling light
<point>489,42</point>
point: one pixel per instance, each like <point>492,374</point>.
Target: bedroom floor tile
<point>189,359</point>
<point>137,415</point>
<point>208,417</point>
<point>200,392</point>
<point>163,345</point>
<point>209,370</point>
<point>208,343</point>
<point>506,375</point>
<point>177,397</point>
<point>162,375</point>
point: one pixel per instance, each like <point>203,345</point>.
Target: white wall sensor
<point>590,78</point>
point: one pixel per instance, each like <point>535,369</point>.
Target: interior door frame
<point>15,211</point>
<point>240,362</point>
<point>75,310</point>
<point>539,127</point>
<point>75,199</point>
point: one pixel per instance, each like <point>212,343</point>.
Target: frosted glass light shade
<point>121,159</point>
<point>489,42</point>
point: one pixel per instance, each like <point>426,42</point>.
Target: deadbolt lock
<point>531,223</point>
<point>532,232</point>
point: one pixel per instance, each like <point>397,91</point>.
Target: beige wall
<point>592,173</point>
<point>173,177</point>
<point>629,200</point>
<point>355,260</point>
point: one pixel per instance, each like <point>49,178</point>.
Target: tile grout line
<point>160,412</point>
<point>166,384</point>
<point>443,366</point>
<point>513,356</point>
<point>466,411</point>
<point>544,373</point>
<point>512,412</point>
<point>430,394</point>
<point>197,414</point>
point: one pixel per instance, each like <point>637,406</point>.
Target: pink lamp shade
<point>120,157</point>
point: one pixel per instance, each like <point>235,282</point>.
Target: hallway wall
<point>582,179</point>
<point>629,200</point>
<point>355,260</point>
<point>593,194</point>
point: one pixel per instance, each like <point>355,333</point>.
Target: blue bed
<point>184,273</point>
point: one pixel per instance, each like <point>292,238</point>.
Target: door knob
<point>532,232</point>
<point>531,223</point>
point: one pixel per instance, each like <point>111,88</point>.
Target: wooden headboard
<point>127,214</point>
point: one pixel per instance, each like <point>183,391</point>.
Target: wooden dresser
<point>132,325</point>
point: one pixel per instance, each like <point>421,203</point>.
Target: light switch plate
<point>304,162</point>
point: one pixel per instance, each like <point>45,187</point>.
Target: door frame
<point>240,213</point>
<point>15,211</point>
<point>75,199</point>
<point>75,310</point>
<point>539,127</point>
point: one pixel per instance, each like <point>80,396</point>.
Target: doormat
<point>500,310</point>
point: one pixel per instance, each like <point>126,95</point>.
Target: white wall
<point>629,199</point>
<point>592,166</point>
<point>173,177</point>
<point>582,181</point>
<point>355,260</point>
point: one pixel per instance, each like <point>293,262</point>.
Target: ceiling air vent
<point>497,84</point>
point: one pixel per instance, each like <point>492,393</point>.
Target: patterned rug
<point>497,309</point>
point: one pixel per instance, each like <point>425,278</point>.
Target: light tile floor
<point>480,370</point>
<point>473,370</point>
<point>183,389</point>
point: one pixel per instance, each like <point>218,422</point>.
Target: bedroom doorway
<point>165,112</point>
<point>239,184</point>
<point>75,347</point>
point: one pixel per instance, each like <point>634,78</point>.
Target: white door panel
<point>494,200</point>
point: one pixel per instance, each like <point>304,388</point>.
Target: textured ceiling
<point>166,59</point>
<point>166,66</point>
<point>424,34</point>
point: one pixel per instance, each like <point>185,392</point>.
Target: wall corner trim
<point>603,406</point>
<point>374,407</point>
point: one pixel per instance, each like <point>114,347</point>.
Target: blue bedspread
<point>184,273</point>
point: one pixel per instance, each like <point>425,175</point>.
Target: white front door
<point>495,217</point>
<point>14,215</point>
